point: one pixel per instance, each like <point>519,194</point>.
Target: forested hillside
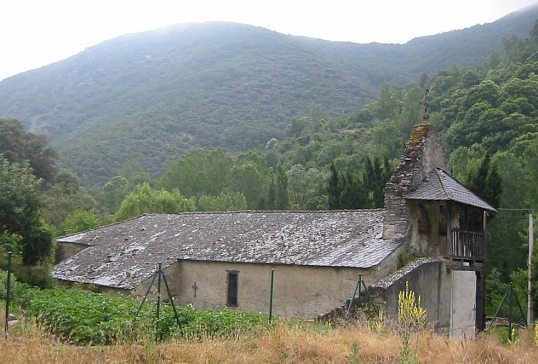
<point>152,97</point>
<point>487,116</point>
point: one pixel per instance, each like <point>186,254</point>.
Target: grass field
<point>283,343</point>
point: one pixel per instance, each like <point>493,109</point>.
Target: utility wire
<point>529,209</point>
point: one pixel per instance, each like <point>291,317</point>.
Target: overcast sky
<point>34,33</point>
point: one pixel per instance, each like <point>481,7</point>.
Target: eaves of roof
<point>440,186</point>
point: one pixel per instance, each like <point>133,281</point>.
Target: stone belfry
<point>423,154</point>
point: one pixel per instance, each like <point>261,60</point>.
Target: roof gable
<point>440,186</point>
<point>124,254</point>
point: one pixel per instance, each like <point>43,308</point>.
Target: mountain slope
<point>153,96</point>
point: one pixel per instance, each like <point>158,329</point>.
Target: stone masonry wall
<point>422,155</point>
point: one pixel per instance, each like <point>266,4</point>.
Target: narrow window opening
<point>232,288</point>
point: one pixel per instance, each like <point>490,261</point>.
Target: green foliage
<point>353,357</point>
<point>20,213</point>
<point>411,320</point>
<point>223,322</point>
<point>409,256</point>
<point>140,98</point>
<point>354,194</point>
<point>85,317</point>
<point>215,173</point>
<point>35,276</point>
<point>347,191</point>
<point>485,182</point>
<point>496,290</point>
<point>80,221</point>
<point>144,199</point>
<point>306,188</point>
<point>222,202</point>
<point>334,189</point>
<point>82,317</point>
<point>17,146</point>
<point>64,199</point>
<point>14,285</point>
<point>282,201</point>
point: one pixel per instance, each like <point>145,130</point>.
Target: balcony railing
<point>467,244</point>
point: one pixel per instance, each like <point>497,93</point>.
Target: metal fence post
<point>271,296</point>
<point>8,291</point>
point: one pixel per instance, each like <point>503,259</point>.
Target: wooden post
<point>449,208</point>
<point>482,323</point>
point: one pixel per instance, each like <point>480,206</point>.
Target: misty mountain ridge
<point>153,96</point>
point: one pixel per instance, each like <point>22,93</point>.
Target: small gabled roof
<point>440,186</point>
<point>125,254</point>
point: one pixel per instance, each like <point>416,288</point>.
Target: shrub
<point>3,285</point>
<point>37,276</point>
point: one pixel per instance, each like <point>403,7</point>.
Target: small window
<point>232,288</point>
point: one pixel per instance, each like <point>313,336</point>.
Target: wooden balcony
<point>467,250</point>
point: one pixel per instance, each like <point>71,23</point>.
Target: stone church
<point>314,257</point>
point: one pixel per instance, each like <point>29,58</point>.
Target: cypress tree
<point>271,201</point>
<point>334,189</point>
<point>486,182</point>
<point>282,201</point>
<point>354,195</point>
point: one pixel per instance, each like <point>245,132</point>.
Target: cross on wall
<point>195,287</point>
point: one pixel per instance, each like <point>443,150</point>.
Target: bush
<point>3,285</point>
<point>37,276</point>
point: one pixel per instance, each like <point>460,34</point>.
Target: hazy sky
<point>34,33</point>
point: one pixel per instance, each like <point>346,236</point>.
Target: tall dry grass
<point>26,343</point>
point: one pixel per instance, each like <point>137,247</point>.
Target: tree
<point>80,221</point>
<point>17,146</point>
<point>354,195</point>
<point>133,172</point>
<point>306,187</point>
<point>375,177</point>
<point>282,201</point>
<point>334,189</point>
<point>223,202</point>
<point>470,79</point>
<point>271,195</point>
<point>200,172</point>
<point>144,199</point>
<point>20,213</point>
<point>247,180</point>
<point>64,199</point>
<point>486,182</point>
<point>423,80</point>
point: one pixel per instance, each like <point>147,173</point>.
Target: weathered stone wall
<point>427,277</point>
<point>299,291</point>
<point>422,155</point>
<point>67,250</point>
<point>447,296</point>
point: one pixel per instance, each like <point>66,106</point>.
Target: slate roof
<point>124,254</point>
<point>440,186</point>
